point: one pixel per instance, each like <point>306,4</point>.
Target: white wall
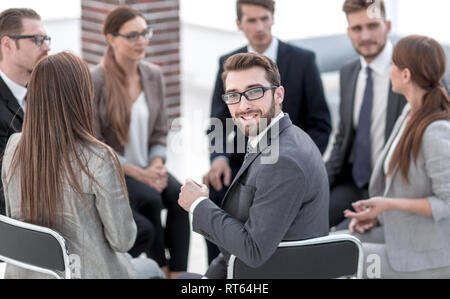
<point>48,9</point>
<point>61,20</point>
<point>293,18</point>
<point>429,18</point>
<point>305,18</point>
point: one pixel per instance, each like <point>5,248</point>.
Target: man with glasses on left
<point>23,41</point>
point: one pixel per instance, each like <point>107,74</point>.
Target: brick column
<point>164,49</point>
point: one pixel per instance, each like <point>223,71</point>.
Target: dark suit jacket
<point>11,118</point>
<point>304,99</point>
<point>268,203</point>
<point>343,144</point>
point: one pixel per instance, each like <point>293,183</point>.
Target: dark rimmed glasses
<point>134,36</point>
<point>251,94</point>
<point>39,39</point>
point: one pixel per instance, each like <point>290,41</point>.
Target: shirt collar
<point>18,91</point>
<point>255,140</point>
<point>271,51</point>
<point>382,62</point>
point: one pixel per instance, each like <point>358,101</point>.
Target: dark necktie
<point>362,168</point>
<point>248,151</point>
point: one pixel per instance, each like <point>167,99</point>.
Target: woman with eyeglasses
<point>58,175</point>
<point>130,116</point>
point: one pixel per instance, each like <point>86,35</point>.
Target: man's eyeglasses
<point>38,38</point>
<point>251,94</point>
<point>134,36</point>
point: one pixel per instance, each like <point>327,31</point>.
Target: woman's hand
<point>156,175</point>
<point>366,212</point>
<point>361,226</point>
<point>368,209</point>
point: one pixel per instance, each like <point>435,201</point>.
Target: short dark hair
<point>351,6</point>
<point>11,21</point>
<point>245,61</point>
<point>267,4</point>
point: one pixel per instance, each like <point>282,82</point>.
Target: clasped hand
<point>190,192</point>
<point>156,176</point>
<point>366,214</point>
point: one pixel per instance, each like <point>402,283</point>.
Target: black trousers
<point>217,197</point>
<point>2,203</point>
<point>147,204</point>
<point>145,234</point>
<point>342,194</point>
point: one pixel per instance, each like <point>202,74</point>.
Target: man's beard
<point>264,121</point>
<point>372,56</point>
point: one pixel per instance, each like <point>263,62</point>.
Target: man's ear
<point>279,95</point>
<point>388,26</point>
<point>5,44</point>
<point>238,24</point>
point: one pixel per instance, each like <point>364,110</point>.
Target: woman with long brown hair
<point>57,174</point>
<point>130,116</point>
<point>410,185</point>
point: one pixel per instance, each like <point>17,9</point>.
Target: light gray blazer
<point>414,242</point>
<point>98,228</point>
<point>268,203</point>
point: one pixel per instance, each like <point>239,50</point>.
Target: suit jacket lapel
<point>283,58</point>
<point>354,81</point>
<point>284,123</point>
<point>12,103</point>
<point>395,104</point>
<point>378,183</point>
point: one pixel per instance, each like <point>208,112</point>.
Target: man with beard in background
<point>368,110</point>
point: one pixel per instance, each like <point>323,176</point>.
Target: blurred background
<point>192,34</point>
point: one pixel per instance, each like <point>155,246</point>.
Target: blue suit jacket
<point>304,99</point>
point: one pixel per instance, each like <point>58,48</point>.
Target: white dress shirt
<point>271,51</point>
<point>136,151</point>
<point>18,91</point>
<point>381,82</point>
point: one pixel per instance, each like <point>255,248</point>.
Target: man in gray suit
<point>281,191</point>
<point>368,110</point>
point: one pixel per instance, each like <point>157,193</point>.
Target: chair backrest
<point>334,256</point>
<point>33,247</point>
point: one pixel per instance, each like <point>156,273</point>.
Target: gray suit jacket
<point>268,203</point>
<point>343,144</point>
<point>98,228</point>
<point>415,242</point>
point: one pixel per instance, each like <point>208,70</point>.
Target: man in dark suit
<point>23,41</point>
<point>304,101</point>
<point>368,110</point>
<point>281,191</point>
